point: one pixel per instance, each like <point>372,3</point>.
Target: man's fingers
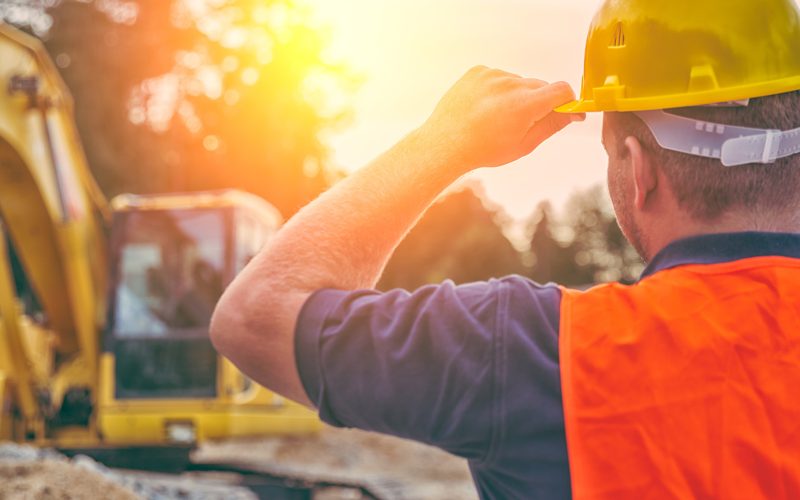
<point>493,115</point>
<point>533,83</point>
<point>544,129</point>
<point>501,72</point>
<point>540,102</point>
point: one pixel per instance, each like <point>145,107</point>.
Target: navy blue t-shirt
<point>471,369</point>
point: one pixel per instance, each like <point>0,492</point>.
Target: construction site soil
<point>422,472</point>
<point>417,471</point>
<point>49,479</point>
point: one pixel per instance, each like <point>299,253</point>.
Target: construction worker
<point>683,385</point>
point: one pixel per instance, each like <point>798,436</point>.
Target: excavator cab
<point>169,269</point>
<point>171,258</point>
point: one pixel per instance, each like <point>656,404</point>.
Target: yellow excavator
<point>104,307</point>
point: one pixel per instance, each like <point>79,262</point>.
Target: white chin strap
<point>732,145</point>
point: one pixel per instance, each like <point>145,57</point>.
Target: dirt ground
<point>423,472</point>
<point>404,469</point>
<point>46,480</point>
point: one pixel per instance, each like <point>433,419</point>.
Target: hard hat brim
<point>683,100</point>
<point>576,107</point>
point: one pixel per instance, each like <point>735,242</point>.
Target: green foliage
<point>591,248</point>
<point>174,95</point>
<point>553,260</point>
<point>599,243</point>
<point>459,239</point>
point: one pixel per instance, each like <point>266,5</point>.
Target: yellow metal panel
<point>32,229</point>
<point>105,381</point>
<point>21,126</point>
<point>37,343</point>
<point>6,418</point>
<point>74,437</point>
<point>81,291</point>
<point>143,426</point>
<point>11,341</point>
<point>256,412</point>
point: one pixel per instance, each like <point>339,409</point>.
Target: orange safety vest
<point>685,385</point>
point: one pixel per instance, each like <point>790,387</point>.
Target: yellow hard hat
<point>659,54</point>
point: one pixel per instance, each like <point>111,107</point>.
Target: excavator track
<point>270,481</point>
<point>169,472</point>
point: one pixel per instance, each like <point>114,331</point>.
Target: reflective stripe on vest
<point>685,385</point>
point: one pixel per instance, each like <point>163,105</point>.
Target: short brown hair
<point>706,188</point>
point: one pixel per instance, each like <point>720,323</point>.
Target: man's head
<point>682,55</point>
<point>660,194</point>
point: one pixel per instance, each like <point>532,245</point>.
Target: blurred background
<point>283,98</point>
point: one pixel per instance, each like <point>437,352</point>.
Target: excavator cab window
<point>169,270</point>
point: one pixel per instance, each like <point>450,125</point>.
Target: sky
<point>409,52</point>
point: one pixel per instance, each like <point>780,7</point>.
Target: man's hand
<point>490,118</point>
<point>345,237</point>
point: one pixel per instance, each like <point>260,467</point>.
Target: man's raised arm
<point>344,238</point>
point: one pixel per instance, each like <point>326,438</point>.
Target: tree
<point>459,238</point>
<point>553,260</point>
<point>598,242</point>
<point>592,248</point>
<point>177,95</point>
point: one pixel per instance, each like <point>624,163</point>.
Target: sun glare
<point>409,52</point>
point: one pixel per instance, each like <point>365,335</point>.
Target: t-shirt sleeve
<point>424,365</point>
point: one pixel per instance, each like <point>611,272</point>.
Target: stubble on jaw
<point>621,192</point>
<point>621,199</point>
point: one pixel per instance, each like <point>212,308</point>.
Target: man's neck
<point>686,227</point>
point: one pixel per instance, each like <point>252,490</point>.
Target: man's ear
<point>645,179</point>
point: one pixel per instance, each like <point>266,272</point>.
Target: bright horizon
<point>410,52</point>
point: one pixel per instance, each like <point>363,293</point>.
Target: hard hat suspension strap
<point>732,145</point>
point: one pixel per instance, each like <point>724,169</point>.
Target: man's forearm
<point>344,238</point>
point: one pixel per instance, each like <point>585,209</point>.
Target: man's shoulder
<point>531,303</point>
<point>520,289</point>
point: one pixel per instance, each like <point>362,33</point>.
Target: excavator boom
<point>51,212</point>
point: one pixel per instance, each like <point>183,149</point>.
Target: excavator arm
<point>52,212</point>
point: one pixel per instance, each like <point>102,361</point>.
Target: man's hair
<point>707,189</point>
